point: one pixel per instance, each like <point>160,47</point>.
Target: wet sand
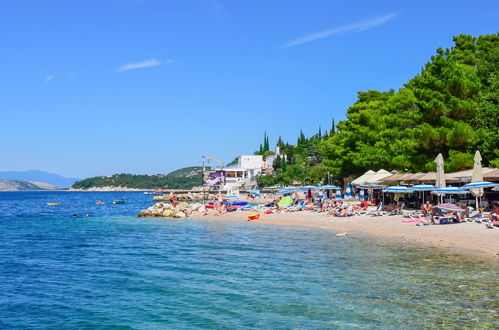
<point>463,238</point>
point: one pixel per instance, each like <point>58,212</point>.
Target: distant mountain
<point>20,185</point>
<point>39,176</point>
<point>184,178</point>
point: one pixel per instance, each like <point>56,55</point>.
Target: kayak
<point>253,216</point>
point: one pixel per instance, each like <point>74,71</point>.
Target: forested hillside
<point>184,178</point>
<point>451,107</point>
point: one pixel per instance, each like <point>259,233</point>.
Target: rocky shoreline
<point>182,210</point>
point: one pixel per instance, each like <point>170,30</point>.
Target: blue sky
<point>148,86</point>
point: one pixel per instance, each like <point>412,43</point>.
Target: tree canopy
<point>451,107</point>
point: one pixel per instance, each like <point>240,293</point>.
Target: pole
<point>202,184</point>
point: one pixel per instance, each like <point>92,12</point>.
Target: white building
<point>269,160</point>
<point>243,174</point>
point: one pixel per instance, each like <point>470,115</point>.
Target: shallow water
<point>113,269</point>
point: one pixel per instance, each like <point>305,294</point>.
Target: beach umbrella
<point>476,176</point>
<point>479,184</point>
<point>348,191</point>
<point>397,189</point>
<point>338,194</point>
<point>450,191</point>
<point>328,186</point>
<point>423,188</point>
<point>284,192</point>
<point>255,192</point>
<point>449,207</point>
<point>285,201</point>
<point>440,177</point>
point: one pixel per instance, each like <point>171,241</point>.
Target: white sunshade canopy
<point>362,179</point>
<point>375,178</point>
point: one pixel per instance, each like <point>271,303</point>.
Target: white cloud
<point>145,64</point>
<point>354,27</point>
<point>49,78</point>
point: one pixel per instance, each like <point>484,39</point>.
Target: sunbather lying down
<point>343,212</point>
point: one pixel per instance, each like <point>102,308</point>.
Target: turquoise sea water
<point>115,270</point>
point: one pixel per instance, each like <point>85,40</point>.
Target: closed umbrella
<point>338,194</point>
<point>477,175</point>
<point>348,191</point>
<point>440,178</point>
<point>361,194</point>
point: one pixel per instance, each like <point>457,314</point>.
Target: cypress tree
<point>333,128</point>
<point>266,146</point>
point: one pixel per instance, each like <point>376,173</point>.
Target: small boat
<point>54,204</point>
<point>119,201</point>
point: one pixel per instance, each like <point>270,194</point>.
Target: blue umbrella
<point>361,194</point>
<point>424,187</point>
<point>255,192</point>
<point>338,194</point>
<point>348,191</point>
<point>450,190</point>
<point>328,186</point>
<point>479,184</point>
<point>397,189</point>
<point>284,192</point>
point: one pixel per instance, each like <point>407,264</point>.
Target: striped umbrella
<point>328,186</point>
<point>397,189</point>
<point>479,184</point>
<point>450,190</point>
<point>361,194</point>
<point>423,188</point>
<point>348,191</point>
<point>338,194</point>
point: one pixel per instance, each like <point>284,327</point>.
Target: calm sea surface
<point>115,270</point>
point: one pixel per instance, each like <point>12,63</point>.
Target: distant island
<point>39,176</point>
<point>22,185</point>
<point>184,178</point>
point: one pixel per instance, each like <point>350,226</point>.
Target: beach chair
<point>378,211</point>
